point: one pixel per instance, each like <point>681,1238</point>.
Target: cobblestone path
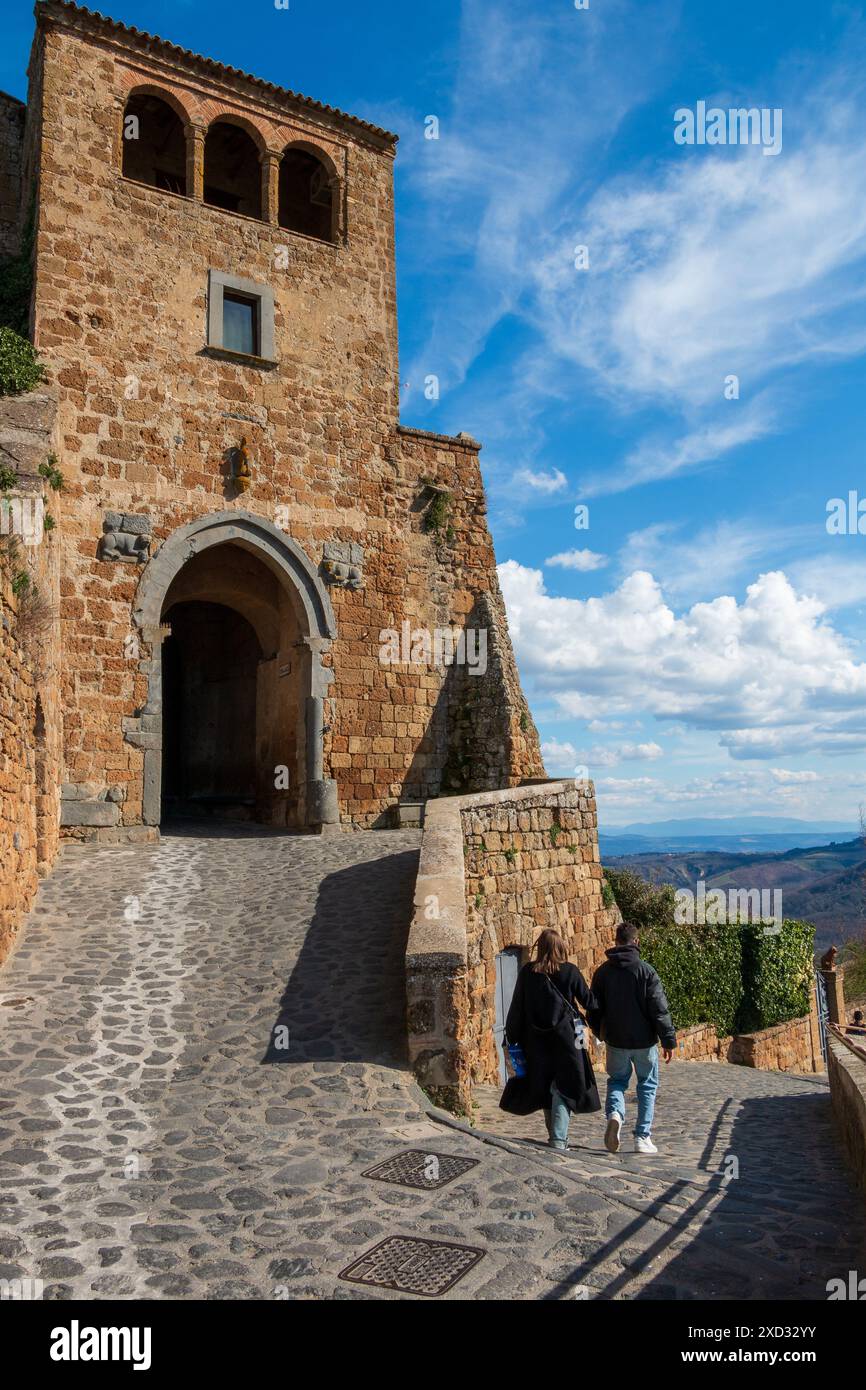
<point>159,1139</point>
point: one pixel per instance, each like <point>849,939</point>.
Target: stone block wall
<point>495,869</point>
<point>793,1046</point>
<point>531,861</point>
<point>30,714</point>
<point>149,417</point>
<point>846,1066</point>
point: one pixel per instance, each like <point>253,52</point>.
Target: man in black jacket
<point>632,1017</point>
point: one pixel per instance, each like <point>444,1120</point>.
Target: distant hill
<point>740,835</point>
<point>823,884</point>
<point>736,825</point>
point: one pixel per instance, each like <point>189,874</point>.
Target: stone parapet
<point>496,868</point>
<point>846,1065</point>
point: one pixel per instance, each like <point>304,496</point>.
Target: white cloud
<point>559,757</point>
<point>613,754</point>
<point>771,674</point>
<point>546,483</point>
<point>838,581</point>
<point>583,560</point>
<point>715,265</point>
<point>652,461</point>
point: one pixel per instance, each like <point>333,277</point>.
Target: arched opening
<point>244,562</point>
<point>233,698</point>
<point>232,173</point>
<point>306,195</point>
<point>154,143</point>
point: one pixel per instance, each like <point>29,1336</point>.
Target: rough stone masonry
<point>242,514</point>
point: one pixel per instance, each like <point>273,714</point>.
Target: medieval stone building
<point>243,516</point>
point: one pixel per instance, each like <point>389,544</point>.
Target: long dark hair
<point>550,952</point>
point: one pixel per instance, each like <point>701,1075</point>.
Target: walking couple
<point>625,1007</point>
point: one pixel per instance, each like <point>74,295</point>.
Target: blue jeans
<point>559,1117</point>
<point>645,1061</point>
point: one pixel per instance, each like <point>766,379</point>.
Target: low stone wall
<point>846,1065</point>
<point>792,1046</point>
<point>495,869</point>
<point>701,1043</point>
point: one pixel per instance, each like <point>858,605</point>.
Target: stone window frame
<point>219,282</point>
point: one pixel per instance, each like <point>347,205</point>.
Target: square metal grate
<point>409,1265</point>
<point>420,1168</point>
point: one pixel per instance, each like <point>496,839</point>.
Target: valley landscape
<point>822,880</point>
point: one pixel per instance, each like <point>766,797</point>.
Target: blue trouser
<point>645,1061</point>
<point>557,1118</point>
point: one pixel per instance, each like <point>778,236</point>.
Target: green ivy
<point>738,976</point>
<point>51,472</point>
<point>8,478</point>
<point>436,515</point>
<point>16,280</point>
<point>854,960</point>
<point>20,370</point>
<point>777,972</point>
<point>701,969</point>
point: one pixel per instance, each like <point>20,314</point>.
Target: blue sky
<point>698,647</point>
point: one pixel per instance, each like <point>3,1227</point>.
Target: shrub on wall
<point>701,969</point>
<point>777,974</point>
<point>737,977</point>
<point>20,369</point>
<point>645,904</point>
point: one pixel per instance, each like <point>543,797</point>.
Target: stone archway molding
<point>293,568</point>
<point>291,563</point>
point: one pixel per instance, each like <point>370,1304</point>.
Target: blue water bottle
<point>518,1061</point>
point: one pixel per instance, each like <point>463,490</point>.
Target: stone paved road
<point>157,1140</point>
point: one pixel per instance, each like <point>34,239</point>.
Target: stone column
<point>834,980</point>
<point>270,162</point>
<point>195,137</point>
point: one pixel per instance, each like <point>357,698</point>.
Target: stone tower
<point>243,517</point>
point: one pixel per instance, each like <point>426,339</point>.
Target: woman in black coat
<point>559,1075</point>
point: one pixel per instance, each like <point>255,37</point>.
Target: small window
<point>240,317</point>
<point>240,324</point>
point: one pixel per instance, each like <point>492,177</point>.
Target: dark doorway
<point>209,670</point>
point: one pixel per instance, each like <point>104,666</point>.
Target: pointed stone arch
<point>301,583</point>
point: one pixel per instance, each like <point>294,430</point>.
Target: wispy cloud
<point>582,560</point>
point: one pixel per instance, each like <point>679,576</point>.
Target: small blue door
<point>507,970</point>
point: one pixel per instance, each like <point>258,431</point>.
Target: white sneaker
<point>644,1145</point>
<point>612,1133</point>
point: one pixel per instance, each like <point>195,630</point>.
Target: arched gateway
<point>237,621</point>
